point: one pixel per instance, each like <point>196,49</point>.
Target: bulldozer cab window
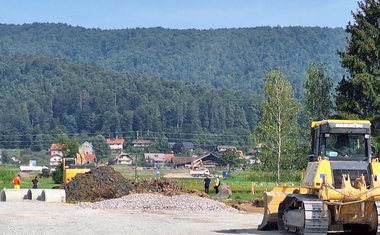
<point>346,145</point>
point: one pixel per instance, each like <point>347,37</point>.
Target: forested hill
<point>42,97</point>
<point>230,58</point>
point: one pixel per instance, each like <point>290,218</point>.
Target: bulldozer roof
<point>342,123</point>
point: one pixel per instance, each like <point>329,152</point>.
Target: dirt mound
<point>105,183</point>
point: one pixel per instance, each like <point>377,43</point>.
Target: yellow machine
<point>198,169</point>
<point>71,167</point>
<point>340,190</point>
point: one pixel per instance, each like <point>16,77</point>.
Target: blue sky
<point>179,14</point>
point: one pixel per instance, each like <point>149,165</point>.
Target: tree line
<point>236,58</point>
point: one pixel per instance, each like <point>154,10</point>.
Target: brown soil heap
<point>105,183</point>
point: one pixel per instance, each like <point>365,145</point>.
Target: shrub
<point>58,175</point>
<point>6,175</point>
<point>45,173</point>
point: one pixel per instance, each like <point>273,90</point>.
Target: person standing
<point>17,182</point>
<point>207,182</point>
<point>34,182</point>
<point>216,184</point>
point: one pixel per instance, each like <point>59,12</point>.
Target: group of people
<point>207,182</point>
<point>17,182</point>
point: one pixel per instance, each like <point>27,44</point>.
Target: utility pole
<point>135,164</point>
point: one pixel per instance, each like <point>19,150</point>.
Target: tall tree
<point>69,146</point>
<point>101,148</point>
<point>231,158</point>
<point>278,129</point>
<point>317,97</point>
<point>358,94</point>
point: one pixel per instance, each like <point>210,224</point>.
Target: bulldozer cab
<point>341,140</point>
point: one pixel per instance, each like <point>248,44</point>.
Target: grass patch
<point>25,183</point>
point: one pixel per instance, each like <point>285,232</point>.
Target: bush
<point>58,174</point>
<point>45,173</point>
<point>6,175</point>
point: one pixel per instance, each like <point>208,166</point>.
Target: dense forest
<point>202,86</point>
<point>228,58</point>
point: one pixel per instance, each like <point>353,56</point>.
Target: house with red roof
<point>116,145</point>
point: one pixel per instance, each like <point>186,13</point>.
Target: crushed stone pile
<point>183,202</point>
<point>105,183</point>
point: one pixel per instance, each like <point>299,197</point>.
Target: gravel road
<point>36,217</point>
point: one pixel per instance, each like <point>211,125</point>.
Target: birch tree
<point>277,130</point>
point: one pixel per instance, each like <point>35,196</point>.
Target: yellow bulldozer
<point>73,166</point>
<point>340,189</point>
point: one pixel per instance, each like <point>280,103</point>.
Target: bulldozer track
<point>312,208</point>
<point>378,216</point>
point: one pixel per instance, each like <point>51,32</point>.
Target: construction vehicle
<point>198,169</point>
<point>73,166</point>
<point>340,189</point>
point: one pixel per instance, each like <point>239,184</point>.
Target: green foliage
<point>45,173</point>
<point>317,97</point>
<point>278,126</point>
<point>226,58</point>
<point>6,175</point>
<point>91,82</point>
<point>231,158</point>
<point>358,96</point>
<point>68,146</point>
<point>189,113</point>
<point>100,146</point>
<point>57,175</point>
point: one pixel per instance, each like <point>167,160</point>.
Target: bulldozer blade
<point>272,200</point>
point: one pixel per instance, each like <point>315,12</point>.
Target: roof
<point>222,148</point>
<point>169,157</point>
<point>120,155</point>
<point>159,157</point>
<point>185,144</point>
<point>89,157</point>
<point>139,141</point>
<point>115,141</point>
<point>343,123</point>
<point>183,159</point>
<point>55,146</point>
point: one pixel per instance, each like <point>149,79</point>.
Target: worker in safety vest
<point>216,184</point>
<point>17,182</point>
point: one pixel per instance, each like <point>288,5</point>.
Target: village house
<point>87,151</point>
<point>210,161</point>
<point>158,159</point>
<point>122,159</point>
<point>56,154</point>
<point>116,146</point>
<point>141,143</point>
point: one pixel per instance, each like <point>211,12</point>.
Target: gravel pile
<point>184,202</point>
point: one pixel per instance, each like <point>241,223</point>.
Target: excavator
<point>198,169</point>
<point>340,189</point>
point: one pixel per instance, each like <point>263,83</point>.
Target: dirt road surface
<point>36,217</point>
